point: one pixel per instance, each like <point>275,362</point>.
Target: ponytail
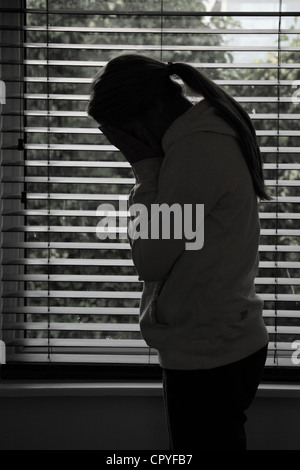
<point>233,112</point>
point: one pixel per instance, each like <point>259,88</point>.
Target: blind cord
<point>161,29</point>
<point>277,185</point>
<point>48,195</point>
<point>23,86</point>
<point>21,141</point>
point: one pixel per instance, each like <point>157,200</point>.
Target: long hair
<point>127,86</point>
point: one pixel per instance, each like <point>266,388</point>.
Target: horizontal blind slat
<point>118,295</point>
<point>92,131</point>
<point>70,327</point>
<point>156,11</point>
<point>70,311</point>
<point>67,164</point>
<point>69,196</point>
<point>119,246</point>
<point>69,278</point>
<point>72,213</point>
<point>115,278</point>
<point>118,213</point>
<point>144,357</point>
<point>240,99</point>
<point>117,262</point>
<point>206,65</point>
<point>61,311</point>
<point>99,47</point>
<point>83,80</point>
<point>120,230</point>
<point>81,114</point>
<point>68,180</point>
<point>101,327</point>
<point>68,245</point>
<point>114,197</point>
<point>57,294</point>
<point>67,262</point>
<point>79,343</point>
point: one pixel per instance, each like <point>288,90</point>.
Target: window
<point>68,297</point>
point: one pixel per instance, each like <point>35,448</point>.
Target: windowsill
<point>14,389</point>
<point>85,389</point>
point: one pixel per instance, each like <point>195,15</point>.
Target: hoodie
<point>199,308</point>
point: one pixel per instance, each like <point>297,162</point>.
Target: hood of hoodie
<point>202,117</point>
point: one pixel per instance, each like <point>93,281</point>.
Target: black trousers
<point>206,408</point>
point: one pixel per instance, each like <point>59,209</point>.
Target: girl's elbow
<point>150,266</point>
<point>149,269</point>
<point>149,275</point>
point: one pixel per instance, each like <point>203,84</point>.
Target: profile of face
<point>153,119</point>
<point>156,118</point>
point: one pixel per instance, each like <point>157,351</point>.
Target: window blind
<point>67,296</point>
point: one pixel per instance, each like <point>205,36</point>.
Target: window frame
<point>17,108</point>
<point>109,371</point>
